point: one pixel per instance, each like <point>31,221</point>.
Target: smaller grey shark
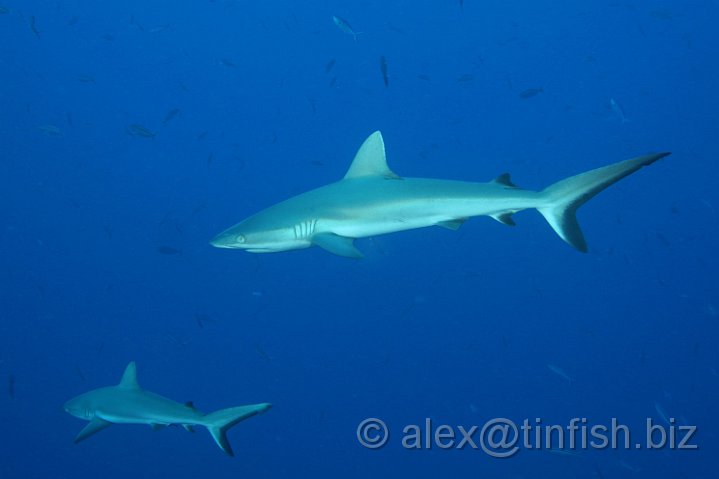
<point>127,403</point>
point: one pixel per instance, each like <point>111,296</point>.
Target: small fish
<point>157,29</point>
<point>4,10</point>
<point>396,29</point>
<point>424,77</point>
<point>108,38</point>
<point>170,115</point>
<point>168,250</point>
<point>383,68</point>
<point>138,130</point>
<point>330,65</point>
<point>227,63</point>
<point>50,130</point>
<point>561,373</point>
<point>85,79</point>
<point>11,386</point>
<point>344,26</point>
<point>564,452</point>
<point>663,414</point>
<point>530,92</point>
<point>629,467</point>
<point>108,231</point>
<point>33,26</point>
<point>618,110</point>
<point>202,319</point>
<point>262,352</point>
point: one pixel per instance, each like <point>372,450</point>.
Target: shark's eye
<point>241,239</point>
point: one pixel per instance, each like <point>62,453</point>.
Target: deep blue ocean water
<point>133,132</point>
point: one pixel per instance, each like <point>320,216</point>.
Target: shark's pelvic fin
<point>219,422</point>
<point>370,159</point>
<point>335,244</point>
<point>95,425</point>
<point>129,377</point>
<point>562,199</point>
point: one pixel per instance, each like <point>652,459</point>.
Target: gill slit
<point>305,229</point>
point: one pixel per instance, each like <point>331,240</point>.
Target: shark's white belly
<point>410,215</point>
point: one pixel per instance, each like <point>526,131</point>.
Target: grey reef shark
<point>373,200</point>
<point>128,403</point>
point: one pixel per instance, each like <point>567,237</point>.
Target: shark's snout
<point>224,241</point>
<point>230,239</point>
<point>217,242</point>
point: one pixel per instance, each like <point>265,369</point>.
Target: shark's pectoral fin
<point>453,225</point>
<point>95,425</point>
<point>335,244</point>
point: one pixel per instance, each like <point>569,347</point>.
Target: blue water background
<point>456,326</point>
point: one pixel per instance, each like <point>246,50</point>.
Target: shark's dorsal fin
<point>370,160</point>
<point>129,377</point>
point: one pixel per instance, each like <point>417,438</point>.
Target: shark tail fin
<point>560,201</point>
<point>219,422</point>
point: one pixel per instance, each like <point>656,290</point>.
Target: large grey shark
<point>372,200</point>
<point>127,403</point>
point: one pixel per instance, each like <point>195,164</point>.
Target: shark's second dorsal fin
<point>129,377</point>
<point>370,160</point>
<point>504,180</point>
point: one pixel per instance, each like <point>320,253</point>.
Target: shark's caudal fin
<point>562,199</point>
<point>219,422</point>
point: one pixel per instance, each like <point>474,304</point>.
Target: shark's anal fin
<point>95,425</point>
<point>335,244</point>
<point>453,225</point>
